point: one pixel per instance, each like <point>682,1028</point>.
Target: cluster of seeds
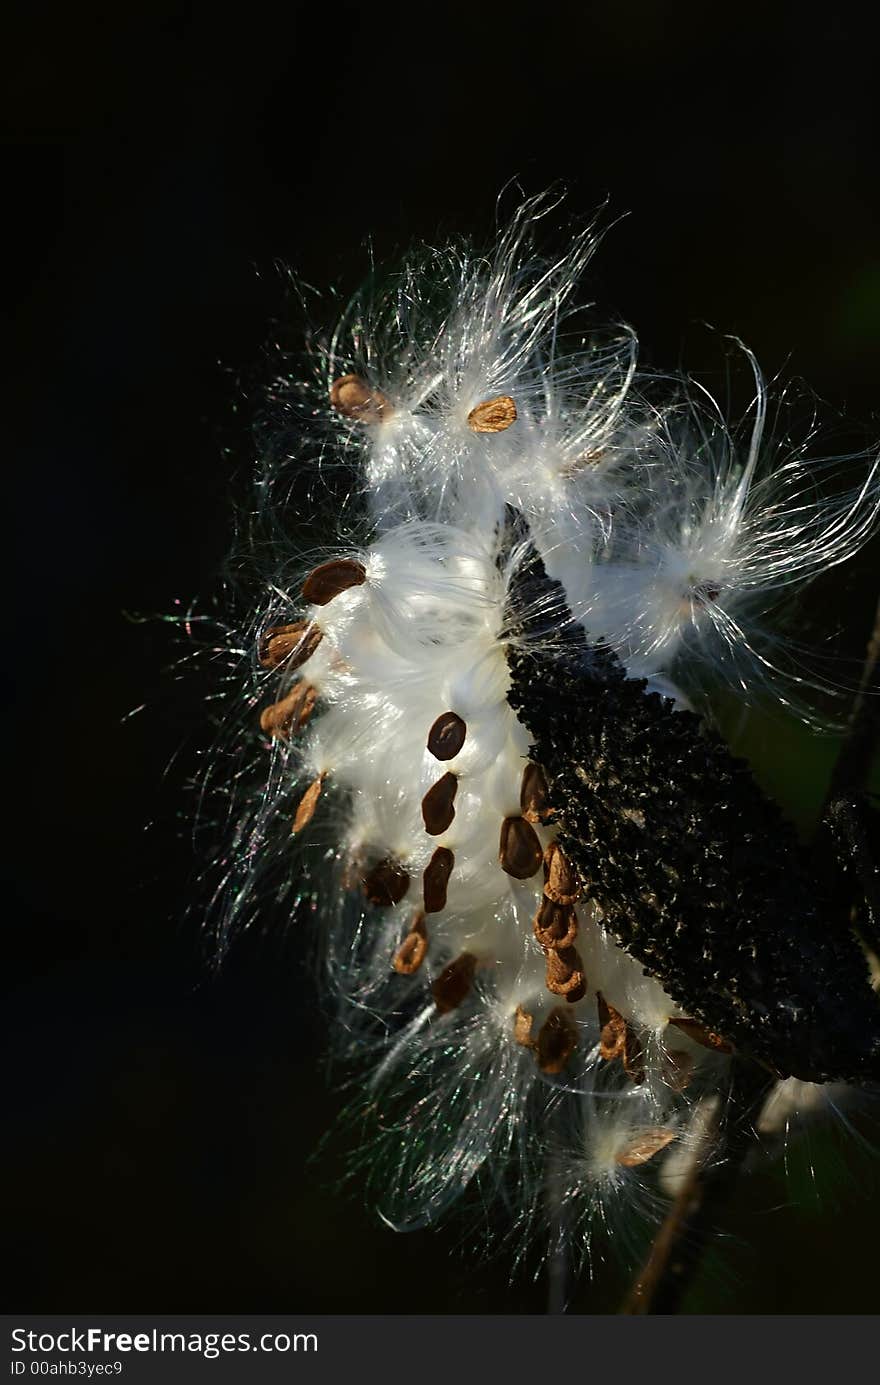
<point>508,873</point>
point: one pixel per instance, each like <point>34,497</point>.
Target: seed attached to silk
<point>412,951</point>
<point>328,580</point>
<point>291,644</point>
<point>454,983</point>
<point>307,805</point>
<point>436,879</point>
<point>565,974</point>
<point>560,882</point>
<point>522,1027</point>
<point>447,736</point>
<point>534,795</point>
<point>557,1041</point>
<point>352,397</point>
<point>386,883</point>
<point>612,1038</point>
<point>701,1035</point>
<point>292,713</point>
<point>493,415</point>
<point>643,1147</point>
<point>438,805</point>
<point>555,925</point>
<point>519,849</point>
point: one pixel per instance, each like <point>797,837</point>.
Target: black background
<point>160,162</point>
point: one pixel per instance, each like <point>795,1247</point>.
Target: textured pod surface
<point>698,874</point>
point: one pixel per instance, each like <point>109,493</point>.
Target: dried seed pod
<point>386,883</point>
<point>446,736</point>
<point>412,951</point>
<point>454,983</point>
<point>354,398</point>
<point>612,1038</point>
<point>328,580</point>
<point>557,1041</point>
<point>438,805</point>
<point>307,805</point>
<point>565,974</point>
<point>701,1035</point>
<point>555,925</point>
<point>560,882</point>
<point>292,713</point>
<point>522,1027</point>
<point>519,850</point>
<point>643,1147</point>
<point>493,415</point>
<point>289,644</point>
<point>436,879</point>
<point>534,794</point>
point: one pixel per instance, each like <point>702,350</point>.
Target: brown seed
<point>493,415</point>
<point>519,850</point>
<point>411,953</point>
<point>560,882</point>
<point>701,1035</point>
<point>555,925</point>
<point>534,794</point>
<point>307,805</point>
<point>436,878</point>
<point>612,1038</point>
<point>292,713</point>
<point>289,644</point>
<point>328,580</point>
<point>386,883</point>
<point>454,983</point>
<point>643,1147</point>
<point>565,974</point>
<point>438,805</point>
<point>557,1041</point>
<point>354,398</point>
<point>522,1027</point>
<point>446,736</point>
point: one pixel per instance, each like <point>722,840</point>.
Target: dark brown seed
<point>354,398</point>
<point>328,580</point>
<point>292,713</point>
<point>519,850</point>
<point>436,879</point>
<point>307,805</point>
<point>612,1039</point>
<point>438,805</point>
<point>411,953</point>
<point>643,1147</point>
<point>565,974</point>
<point>701,1035</point>
<point>454,983</point>
<point>560,881</point>
<point>557,1041</point>
<point>446,736</point>
<point>386,883</point>
<point>533,795</point>
<point>493,415</point>
<point>522,1027</point>
<point>289,644</point>
<point>556,925</point>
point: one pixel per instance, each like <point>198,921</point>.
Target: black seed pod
<point>698,874</point>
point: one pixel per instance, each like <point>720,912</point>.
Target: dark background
<point>158,162</point>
